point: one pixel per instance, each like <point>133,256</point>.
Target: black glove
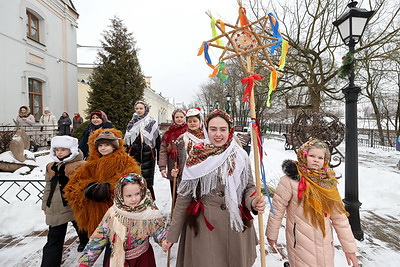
<point>98,192</point>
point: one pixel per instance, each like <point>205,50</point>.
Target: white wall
<point>52,61</point>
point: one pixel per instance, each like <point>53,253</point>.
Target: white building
<point>38,62</point>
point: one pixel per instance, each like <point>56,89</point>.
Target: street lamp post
<point>217,104</point>
<point>228,102</point>
<point>351,26</point>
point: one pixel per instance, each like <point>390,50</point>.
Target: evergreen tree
<point>117,82</point>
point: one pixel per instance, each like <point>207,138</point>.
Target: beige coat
<point>57,213</point>
<point>305,244</point>
<point>222,247</point>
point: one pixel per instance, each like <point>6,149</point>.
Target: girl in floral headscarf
<point>168,149</point>
<point>143,140</point>
<point>127,226</point>
<point>309,196</point>
<point>215,196</point>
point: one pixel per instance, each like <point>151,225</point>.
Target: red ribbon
<point>250,82</point>
<point>194,208</point>
<point>301,188</point>
<point>244,212</point>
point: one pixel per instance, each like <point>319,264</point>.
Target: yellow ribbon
<point>214,31</point>
<point>285,48</point>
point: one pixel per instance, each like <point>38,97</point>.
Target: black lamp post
<point>228,102</point>
<point>351,26</point>
<point>217,104</point>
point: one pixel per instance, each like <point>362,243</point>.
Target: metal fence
<point>23,190</point>
<point>39,136</point>
<point>366,137</point>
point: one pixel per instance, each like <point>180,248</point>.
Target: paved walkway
<point>381,233</point>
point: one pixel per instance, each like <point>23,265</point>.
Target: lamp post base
<point>353,208</point>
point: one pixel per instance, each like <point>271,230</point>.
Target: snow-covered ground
<point>379,192</point>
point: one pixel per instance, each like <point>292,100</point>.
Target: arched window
<point>32,27</point>
<point>35,97</point>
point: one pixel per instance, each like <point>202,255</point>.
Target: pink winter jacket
<point>306,245</point>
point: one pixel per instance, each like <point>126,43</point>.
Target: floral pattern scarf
<point>208,166</point>
<point>123,216</point>
<point>317,187</point>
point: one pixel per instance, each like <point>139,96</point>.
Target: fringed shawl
<point>317,187</point>
<point>146,127</point>
<point>230,168</point>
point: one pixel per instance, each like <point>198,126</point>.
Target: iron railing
<point>21,190</point>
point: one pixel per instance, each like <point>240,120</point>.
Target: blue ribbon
<point>262,169</point>
<point>206,55</point>
<point>275,32</point>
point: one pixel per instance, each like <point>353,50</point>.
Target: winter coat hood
<point>24,114</point>
<point>290,169</point>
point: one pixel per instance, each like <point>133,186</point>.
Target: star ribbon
<point>250,83</point>
<point>214,31</point>
<point>275,31</point>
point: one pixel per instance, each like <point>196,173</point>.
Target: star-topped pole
<point>250,43</point>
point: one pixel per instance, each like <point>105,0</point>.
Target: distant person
<point>64,124</point>
<point>77,120</point>
<point>309,197</point>
<point>48,123</point>
<point>98,119</point>
<point>127,226</point>
<point>25,118</point>
<point>67,158</point>
<point>193,136</point>
<point>168,149</point>
<point>90,191</point>
<point>143,140</point>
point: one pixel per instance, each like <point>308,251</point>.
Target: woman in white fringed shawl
<point>143,140</point>
<point>215,197</point>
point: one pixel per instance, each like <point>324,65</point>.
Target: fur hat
<point>193,112</point>
<point>64,141</point>
<point>106,137</point>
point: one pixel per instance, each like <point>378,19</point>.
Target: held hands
<point>352,259</point>
<point>175,172</point>
<point>164,173</point>
<point>258,204</point>
<point>166,245</point>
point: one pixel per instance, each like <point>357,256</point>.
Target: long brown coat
<point>57,213</point>
<point>110,168</point>
<point>305,244</point>
<point>222,247</point>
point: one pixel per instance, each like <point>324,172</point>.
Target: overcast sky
<point>168,34</point>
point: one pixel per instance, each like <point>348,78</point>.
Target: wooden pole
<point>257,167</point>
<point>172,212</point>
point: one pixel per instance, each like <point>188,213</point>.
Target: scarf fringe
<point>225,174</point>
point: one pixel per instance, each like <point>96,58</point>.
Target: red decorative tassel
<point>194,208</point>
<point>301,188</point>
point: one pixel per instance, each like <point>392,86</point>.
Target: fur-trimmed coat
<point>88,213</point>
<point>305,244</point>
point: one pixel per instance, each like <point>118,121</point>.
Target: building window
<point>35,98</point>
<point>32,27</point>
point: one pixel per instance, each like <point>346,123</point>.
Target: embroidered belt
<point>137,251</point>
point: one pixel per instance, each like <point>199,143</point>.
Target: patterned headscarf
<point>208,165</point>
<point>133,178</point>
<point>143,125</point>
<point>317,187</point>
<point>200,152</point>
<point>174,130</point>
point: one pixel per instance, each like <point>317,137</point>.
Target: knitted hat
<point>64,141</point>
<point>106,137</point>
